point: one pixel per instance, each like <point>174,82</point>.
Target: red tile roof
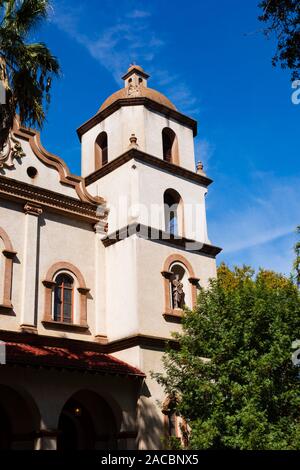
<point>44,351</point>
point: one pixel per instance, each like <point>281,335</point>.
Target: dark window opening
<point>101,150</point>
<point>168,138</point>
<point>63,298</point>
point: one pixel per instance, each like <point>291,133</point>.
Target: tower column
<point>100,286</point>
<point>30,263</point>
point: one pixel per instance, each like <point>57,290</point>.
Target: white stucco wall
<point>135,193</point>
<point>147,127</point>
<point>46,177</point>
<point>58,239</point>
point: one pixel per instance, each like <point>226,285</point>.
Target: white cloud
<point>138,14</point>
<point>204,150</point>
<point>259,229</point>
<point>128,39</point>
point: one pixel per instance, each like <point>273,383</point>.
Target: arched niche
<point>101,150</point>
<point>179,282</point>
<point>170,146</point>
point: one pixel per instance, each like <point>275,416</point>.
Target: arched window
<point>63,298</point>
<point>101,150</point>
<point>173,212</point>
<point>7,255</point>
<point>66,296</point>
<point>170,148</point>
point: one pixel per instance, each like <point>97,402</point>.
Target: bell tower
<point>134,79</point>
<point>156,252</point>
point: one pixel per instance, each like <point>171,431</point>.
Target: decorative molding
<point>76,182</point>
<point>138,101</point>
<point>10,254</point>
<point>49,284</point>
<point>6,309</point>
<point>133,70</point>
<point>102,339</point>
<point>33,209</point>
<point>142,157</point>
<point>194,281</point>
<point>166,274</point>
<point>28,329</point>
<point>12,149</point>
<point>156,235</point>
<point>58,325</point>
<point>173,315</point>
<point>144,341</point>
<point>54,202</point>
<point>176,257</point>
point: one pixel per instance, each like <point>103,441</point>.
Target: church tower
<point>138,155</point>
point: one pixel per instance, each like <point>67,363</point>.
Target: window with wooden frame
<point>63,298</point>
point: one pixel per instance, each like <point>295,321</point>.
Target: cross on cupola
<point>134,79</point>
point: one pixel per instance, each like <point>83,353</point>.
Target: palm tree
<point>26,69</point>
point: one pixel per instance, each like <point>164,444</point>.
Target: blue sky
<point>213,61</point>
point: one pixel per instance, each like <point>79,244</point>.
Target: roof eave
<point>138,101</point>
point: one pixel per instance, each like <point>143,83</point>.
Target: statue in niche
<point>177,292</point>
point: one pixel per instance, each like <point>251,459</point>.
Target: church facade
<point>95,272</point>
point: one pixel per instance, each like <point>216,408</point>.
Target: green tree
<point>282,18</point>
<point>296,265</point>
<point>233,376</point>
<point>26,68</point>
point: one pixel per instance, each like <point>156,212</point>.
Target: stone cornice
<point>138,101</point>
<point>26,193</point>
<point>146,341</point>
<point>76,182</point>
<point>139,156</point>
<point>156,235</point>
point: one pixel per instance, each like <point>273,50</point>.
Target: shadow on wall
<point>150,422</point>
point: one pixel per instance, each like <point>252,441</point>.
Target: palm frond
<point>25,69</point>
<point>30,14</point>
<point>24,15</point>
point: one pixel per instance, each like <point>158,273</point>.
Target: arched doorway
<point>19,420</point>
<point>86,422</point>
<point>5,430</point>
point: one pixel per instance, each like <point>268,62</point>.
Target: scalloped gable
<point>25,150</point>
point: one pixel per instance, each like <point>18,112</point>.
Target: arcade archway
<point>19,418</point>
<point>87,422</point>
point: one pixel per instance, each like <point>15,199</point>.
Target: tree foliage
<point>296,265</point>
<point>26,69</point>
<point>233,375</point>
<point>283,18</point>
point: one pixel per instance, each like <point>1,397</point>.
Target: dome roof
<point>135,67</point>
<point>143,92</point>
